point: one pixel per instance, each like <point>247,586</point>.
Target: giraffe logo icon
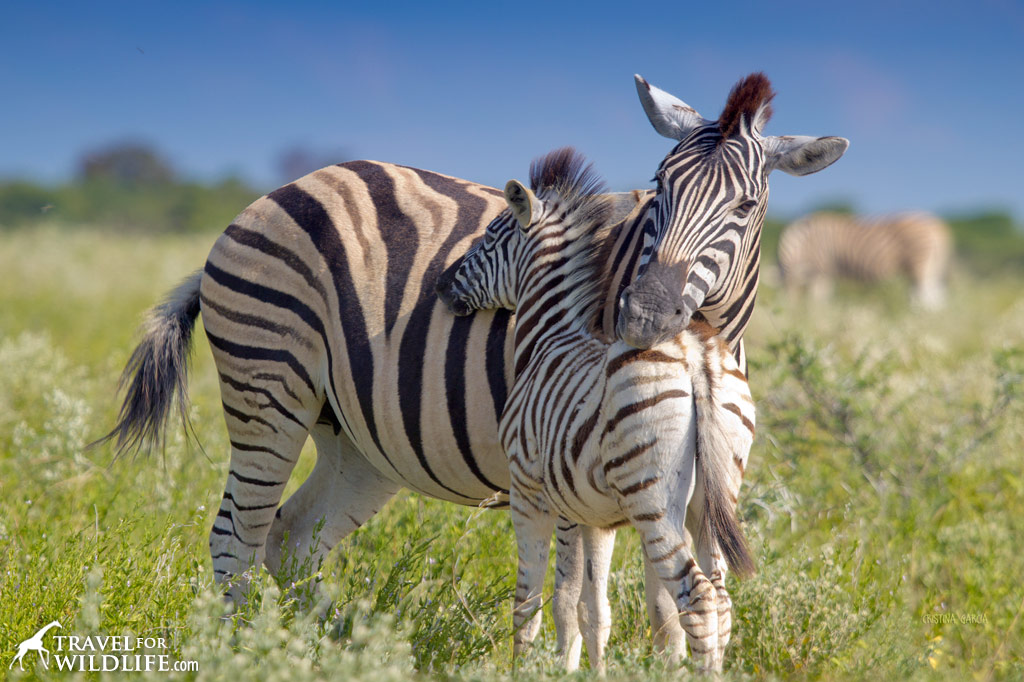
<point>34,643</point>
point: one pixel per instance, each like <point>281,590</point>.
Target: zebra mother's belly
<point>439,382</point>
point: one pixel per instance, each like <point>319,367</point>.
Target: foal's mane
<point>565,176</point>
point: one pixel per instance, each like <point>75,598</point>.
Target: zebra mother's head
<point>712,192</point>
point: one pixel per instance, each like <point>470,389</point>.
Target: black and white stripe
<point>817,249</point>
<point>603,434</point>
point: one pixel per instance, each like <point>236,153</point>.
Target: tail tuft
<point>720,523</point>
<point>156,375</point>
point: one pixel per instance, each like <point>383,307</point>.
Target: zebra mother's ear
<point>801,154</point>
<point>522,202</point>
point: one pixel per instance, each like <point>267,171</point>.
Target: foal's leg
<point>533,528</point>
<point>667,633</point>
<point>595,613</point>
<point>568,585</point>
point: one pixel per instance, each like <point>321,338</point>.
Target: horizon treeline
<point>129,186</point>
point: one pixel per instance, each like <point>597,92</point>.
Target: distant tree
<point>125,163</point>
<point>843,206</point>
<point>294,162</point>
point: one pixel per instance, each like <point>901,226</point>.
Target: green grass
<point>885,498</point>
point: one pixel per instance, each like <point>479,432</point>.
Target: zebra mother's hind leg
<point>341,493</point>
<point>267,433</point>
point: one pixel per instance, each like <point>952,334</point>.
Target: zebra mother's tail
<point>156,374</point>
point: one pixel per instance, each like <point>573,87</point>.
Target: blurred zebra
<point>817,249</point>
<point>604,434</point>
<point>318,305</point>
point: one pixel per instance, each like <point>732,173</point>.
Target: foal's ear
<point>524,204</point>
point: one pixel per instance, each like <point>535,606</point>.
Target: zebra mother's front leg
<point>656,507</point>
<point>671,554</point>
<point>666,632</point>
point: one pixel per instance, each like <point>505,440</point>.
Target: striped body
<point>318,305</point>
<point>600,433</point>
<point>606,435</point>
<point>819,248</point>
<point>325,287</point>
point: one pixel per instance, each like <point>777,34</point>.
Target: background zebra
<point>817,249</point>
<point>605,434</point>
<point>318,304</point>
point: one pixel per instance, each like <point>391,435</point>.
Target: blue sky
<point>931,95</point>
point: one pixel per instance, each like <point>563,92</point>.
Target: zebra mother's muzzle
<point>653,309</point>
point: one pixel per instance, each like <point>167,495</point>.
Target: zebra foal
<point>603,434</point>
<point>821,247</point>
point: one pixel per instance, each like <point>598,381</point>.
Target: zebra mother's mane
<point>564,176</point>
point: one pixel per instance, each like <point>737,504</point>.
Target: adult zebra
<point>604,434</point>
<point>818,248</point>
<point>318,304</point>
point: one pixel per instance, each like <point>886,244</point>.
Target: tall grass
<point>885,497</point>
